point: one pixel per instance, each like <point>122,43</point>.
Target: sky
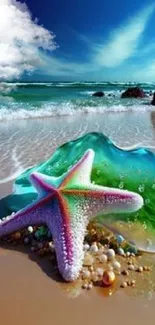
<point>68,40</point>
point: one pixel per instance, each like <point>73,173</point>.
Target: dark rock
<point>153,100</point>
<point>133,92</point>
<point>98,94</point>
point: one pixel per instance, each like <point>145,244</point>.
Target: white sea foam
<point>51,110</point>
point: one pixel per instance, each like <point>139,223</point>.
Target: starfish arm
<point>22,219</point>
<point>68,232</point>
<point>98,200</point>
<point>44,184</point>
<point>115,200</point>
<point>81,172</point>
<point>33,214</point>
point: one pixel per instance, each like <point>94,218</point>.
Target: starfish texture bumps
<point>66,204</point>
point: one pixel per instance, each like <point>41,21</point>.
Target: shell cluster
<point>106,259</point>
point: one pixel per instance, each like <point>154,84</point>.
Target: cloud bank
<point>21,40</point>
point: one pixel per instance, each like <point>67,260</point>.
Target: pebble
<point>93,248</point>
<point>140,269</point>
<point>146,268</point>
<point>124,284</point>
<point>30,229</point>
<point>103,258</point>
<point>128,254</point>
<point>86,274</point>
<point>88,259</point>
<point>120,239</point>
<point>116,265</point>
<point>131,267</point>
<point>108,278</point>
<point>133,283</point>
<point>110,254</point>
<point>120,251</point>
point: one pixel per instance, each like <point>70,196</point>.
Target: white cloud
<point>21,40</point>
<point>124,41</point>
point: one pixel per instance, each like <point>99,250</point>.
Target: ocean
<point>36,118</point>
<point>30,100</point>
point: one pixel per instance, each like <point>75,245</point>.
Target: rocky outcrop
<point>133,92</point>
<point>98,94</point>
<point>153,100</point>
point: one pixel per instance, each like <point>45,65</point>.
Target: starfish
<point>66,204</point>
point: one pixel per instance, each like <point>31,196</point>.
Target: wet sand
<point>30,290</point>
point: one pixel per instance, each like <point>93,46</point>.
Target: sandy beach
<point>31,291</point>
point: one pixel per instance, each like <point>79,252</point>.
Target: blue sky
<point>96,40</point>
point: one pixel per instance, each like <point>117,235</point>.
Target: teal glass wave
<point>133,170</point>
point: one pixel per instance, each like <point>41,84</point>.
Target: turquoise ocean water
<point>30,100</point>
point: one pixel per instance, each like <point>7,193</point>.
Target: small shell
<point>140,269</point>
<point>120,251</point>
<point>116,265</point>
<point>30,229</point>
<point>110,254</point>
<point>86,274</point>
<point>133,282</point>
<point>131,267</point>
<point>108,278</point>
<point>124,284</point>
<point>51,246</point>
<point>93,248</point>
<point>103,258</point>
<point>86,247</point>
<point>120,239</point>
